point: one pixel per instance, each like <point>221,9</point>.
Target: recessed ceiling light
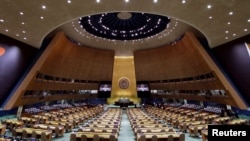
<point>231,13</point>
<point>210,17</point>
<point>1,20</point>
<point>245,29</point>
<point>226,31</point>
<point>234,34</point>
<point>6,30</point>
<point>228,23</point>
<point>17,35</point>
<point>22,22</point>
<point>42,17</point>
<point>68,1</point>
<point>183,1</point>
<point>126,0</point>
<point>155,1</point>
<point>21,13</point>
<point>226,38</point>
<point>248,20</point>
<point>209,6</point>
<point>98,1</point>
<point>43,7</point>
<point>24,31</point>
<point>24,38</point>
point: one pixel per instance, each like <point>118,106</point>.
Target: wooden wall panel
<point>183,60</point>
<point>64,60</point>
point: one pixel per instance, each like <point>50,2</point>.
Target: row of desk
<point>104,127</point>
<point>146,128</point>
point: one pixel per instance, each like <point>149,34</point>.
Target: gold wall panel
<point>124,68</point>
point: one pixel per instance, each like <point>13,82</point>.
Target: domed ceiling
<point>125,32</point>
<point>31,22</point>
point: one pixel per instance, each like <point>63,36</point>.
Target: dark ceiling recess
<point>124,25</point>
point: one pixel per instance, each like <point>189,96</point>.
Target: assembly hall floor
<point>125,134</point>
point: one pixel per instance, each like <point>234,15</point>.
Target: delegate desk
<point>3,139</point>
<point>185,125</point>
<point>89,129</point>
<point>58,130</point>
<point>163,136</point>
<point>204,134</point>
<point>103,126</point>
<point>2,129</point>
<point>221,120</point>
<point>154,130</point>
<point>237,121</point>
<point>150,126</point>
<point>195,129</point>
<point>29,121</point>
<point>13,123</point>
<point>67,125</point>
<point>39,133</point>
<point>90,136</point>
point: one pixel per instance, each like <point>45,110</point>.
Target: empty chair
<point>148,131</point>
<point>114,131</point>
<point>83,138</point>
<point>112,138</point>
<point>154,138</point>
<point>43,137</point>
<point>104,130</point>
<point>196,132</point>
<point>33,134</point>
<point>184,129</point>
<point>96,138</point>
<point>80,130</point>
<point>182,137</point>
<point>170,130</point>
<point>73,137</point>
<point>163,130</point>
<point>142,138</point>
<point>25,134</point>
<point>14,134</point>
<point>170,138</point>
<point>57,132</point>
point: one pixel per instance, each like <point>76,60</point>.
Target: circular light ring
<point>111,26</point>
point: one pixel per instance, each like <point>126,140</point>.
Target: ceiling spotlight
<point>209,6</point>
<point>127,1</point>
<point>183,1</point>
<point>43,7</point>
<point>98,1</point>
<point>231,13</point>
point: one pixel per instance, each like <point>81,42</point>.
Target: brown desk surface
<point>164,135</point>
<point>46,126</point>
<point>91,135</point>
<point>29,131</point>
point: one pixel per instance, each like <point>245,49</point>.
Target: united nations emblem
<point>123,83</point>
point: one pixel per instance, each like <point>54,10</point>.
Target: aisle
<point>126,133</point>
